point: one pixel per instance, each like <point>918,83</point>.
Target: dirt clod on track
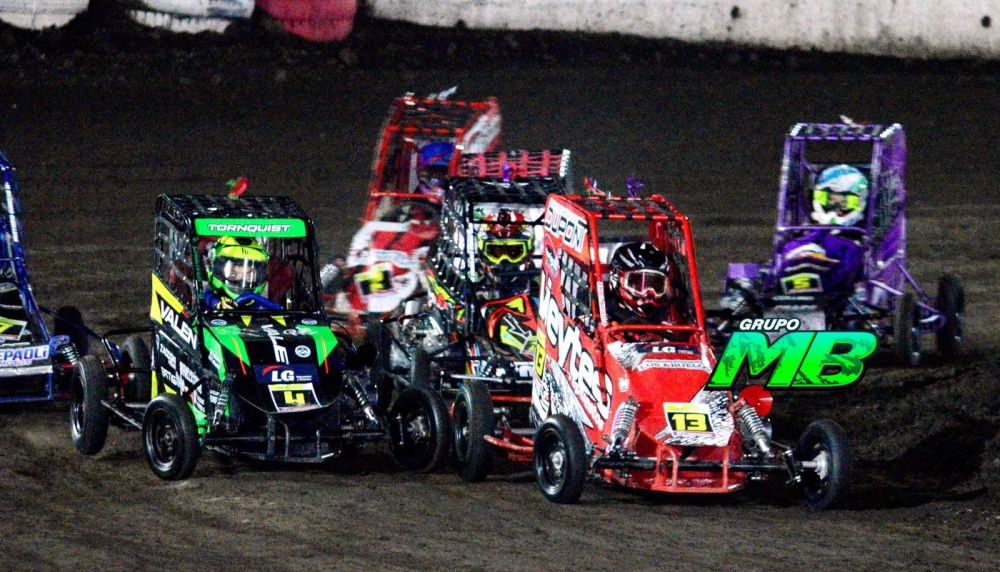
<point>103,116</point>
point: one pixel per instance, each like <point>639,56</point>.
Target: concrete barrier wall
<point>927,29</point>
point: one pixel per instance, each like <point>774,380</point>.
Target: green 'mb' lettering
<point>800,359</point>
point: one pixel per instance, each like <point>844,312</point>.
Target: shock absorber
<point>624,420</point>
<point>223,403</point>
<point>354,387</point>
<point>67,355</point>
<point>755,425</point>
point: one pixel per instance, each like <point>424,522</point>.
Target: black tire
<point>951,304</point>
<point>378,373</point>
<point>69,322</point>
<point>135,355</point>
<point>88,418</point>
<point>906,337</point>
<point>560,460</point>
<point>419,429</point>
<point>170,437</point>
<point>824,444</point>
<point>472,419</point>
<point>420,369</point>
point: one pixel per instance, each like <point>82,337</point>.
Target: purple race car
<point>839,260</point>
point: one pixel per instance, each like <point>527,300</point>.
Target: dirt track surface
<point>98,128</point>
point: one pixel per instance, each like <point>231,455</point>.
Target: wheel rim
<point>415,435</point>
<point>76,411</point>
<point>552,464</point>
<point>461,431</point>
<point>163,441</point>
<point>815,479</point>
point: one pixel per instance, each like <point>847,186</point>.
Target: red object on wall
<point>317,20</point>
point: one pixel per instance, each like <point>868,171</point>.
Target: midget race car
<point>243,361</point>
<point>839,257</point>
<point>35,364</point>
<point>624,401</point>
<point>419,145</point>
<point>475,329</point>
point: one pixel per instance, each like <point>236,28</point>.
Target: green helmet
<point>239,265</point>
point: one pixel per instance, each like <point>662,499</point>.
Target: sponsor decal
<point>573,359</point>
<point>280,352</point>
<point>309,322</point>
<point>673,364</point>
<point>303,351</point>
<point>15,357</point>
<point>797,359</point>
<point>567,225</point>
<point>280,227</point>
<point>295,373</point>
<point>218,322</point>
<point>180,327</point>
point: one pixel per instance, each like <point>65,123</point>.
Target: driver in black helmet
<point>640,291</point>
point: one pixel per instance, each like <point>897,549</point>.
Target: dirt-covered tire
<point>472,419</point>
<point>905,332</point>
<point>420,369</point>
<point>823,445</point>
<point>135,355</point>
<point>951,304</point>
<point>560,457</point>
<point>69,322</point>
<point>419,429</point>
<point>170,437</point>
<point>88,418</point>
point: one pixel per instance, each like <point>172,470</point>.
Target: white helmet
<point>840,196</point>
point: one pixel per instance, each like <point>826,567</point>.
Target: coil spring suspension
<point>67,354</point>
<point>357,392</point>
<point>624,420</point>
<point>223,403</point>
<point>755,426</point>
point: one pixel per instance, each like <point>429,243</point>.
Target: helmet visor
<point>511,250</point>
<point>240,275</point>
<point>836,201</point>
<point>644,283</point>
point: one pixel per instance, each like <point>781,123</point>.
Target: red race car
<point>621,364</point>
<point>419,147</point>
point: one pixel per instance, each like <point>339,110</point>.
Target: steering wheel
<point>248,297</point>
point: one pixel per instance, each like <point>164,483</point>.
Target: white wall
<point>906,28</point>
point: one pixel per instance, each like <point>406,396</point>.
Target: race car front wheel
<point>420,429</point>
<point>560,460</point>
<point>170,437</point>
<point>88,419</point>
<point>906,330</point>
<point>951,304</point>
<point>472,419</point>
<point>826,462</point>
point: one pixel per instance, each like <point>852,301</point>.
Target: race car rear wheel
<point>135,356</point>
<point>170,437</point>
<point>906,330</point>
<point>823,448</point>
<point>472,419</point>
<point>951,304</point>
<point>88,419</point>
<point>560,460</point>
<point>378,374</point>
<point>420,429</point>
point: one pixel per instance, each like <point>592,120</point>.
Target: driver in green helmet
<point>238,273</point>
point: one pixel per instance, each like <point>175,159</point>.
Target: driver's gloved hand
<point>225,304</point>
